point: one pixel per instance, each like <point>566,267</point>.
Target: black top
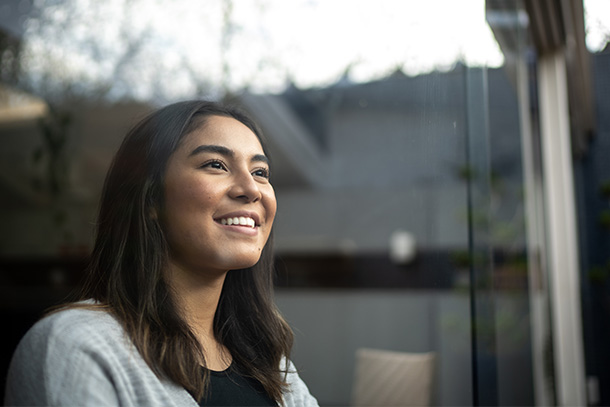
<point>229,388</point>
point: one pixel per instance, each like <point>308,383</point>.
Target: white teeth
<point>242,221</point>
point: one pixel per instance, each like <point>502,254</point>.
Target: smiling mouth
<point>238,221</point>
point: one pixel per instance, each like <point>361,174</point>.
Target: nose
<point>245,187</point>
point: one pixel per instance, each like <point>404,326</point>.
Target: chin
<point>245,265</point>
<point>245,262</point>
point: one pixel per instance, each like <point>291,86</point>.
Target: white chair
<point>386,378</point>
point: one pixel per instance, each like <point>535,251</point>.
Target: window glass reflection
<point>368,112</point>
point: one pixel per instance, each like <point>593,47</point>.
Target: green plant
<point>466,173</point>
<point>604,189</point>
<point>53,162</point>
<point>51,155</point>
<point>604,218</point>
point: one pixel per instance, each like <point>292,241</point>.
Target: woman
<point>177,306</point>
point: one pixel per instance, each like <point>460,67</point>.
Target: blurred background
<point>441,170</point>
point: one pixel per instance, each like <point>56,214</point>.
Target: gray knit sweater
<point>82,357</point>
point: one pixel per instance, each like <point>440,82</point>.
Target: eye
<point>261,172</point>
<point>215,165</point>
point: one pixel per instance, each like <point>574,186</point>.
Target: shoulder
<point>78,318</point>
<point>68,351</point>
<point>75,328</point>
<point>82,356</point>
<point>296,393</point>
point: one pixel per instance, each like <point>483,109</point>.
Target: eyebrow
<point>227,152</point>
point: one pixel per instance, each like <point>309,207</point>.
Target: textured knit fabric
<point>82,357</point>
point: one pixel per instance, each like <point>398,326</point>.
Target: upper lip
<point>237,214</point>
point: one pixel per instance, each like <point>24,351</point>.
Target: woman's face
<point>219,205</point>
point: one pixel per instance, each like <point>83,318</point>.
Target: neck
<point>197,297</point>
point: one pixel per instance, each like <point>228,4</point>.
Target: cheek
<point>178,200</point>
<point>270,206</point>
<point>187,199</point>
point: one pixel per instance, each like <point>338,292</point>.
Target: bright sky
<point>271,42</point>
<point>316,40</point>
<point>162,49</point>
<point>597,19</point>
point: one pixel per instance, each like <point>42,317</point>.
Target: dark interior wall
<point>592,178</point>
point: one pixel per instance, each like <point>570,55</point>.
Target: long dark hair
<point>125,273</point>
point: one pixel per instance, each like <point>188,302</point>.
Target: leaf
<point>36,184</point>
<point>37,155</point>
<point>60,217</point>
<point>604,189</point>
<point>604,219</point>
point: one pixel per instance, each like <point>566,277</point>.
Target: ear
<point>153,214</point>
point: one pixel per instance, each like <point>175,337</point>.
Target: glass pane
<point>371,254</point>
<point>394,131</point>
<point>519,312</point>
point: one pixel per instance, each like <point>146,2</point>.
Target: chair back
<point>386,378</point>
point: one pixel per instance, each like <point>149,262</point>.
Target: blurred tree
<point>100,52</point>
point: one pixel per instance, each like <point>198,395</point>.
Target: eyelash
<point>211,162</point>
<point>264,172</point>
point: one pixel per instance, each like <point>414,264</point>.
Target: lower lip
<point>246,230</point>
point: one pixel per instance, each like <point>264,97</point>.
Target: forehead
<point>223,131</point>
